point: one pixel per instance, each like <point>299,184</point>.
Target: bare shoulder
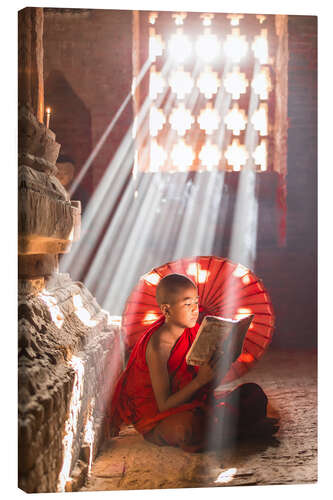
<point>159,345</point>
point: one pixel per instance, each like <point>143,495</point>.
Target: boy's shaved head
<point>170,286</point>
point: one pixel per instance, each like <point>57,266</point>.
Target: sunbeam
<point>243,242</point>
<point>169,212</point>
<point>99,208</point>
<point>105,198</point>
<point>108,130</point>
<point>134,223</point>
<point>132,244</point>
<point>115,243</point>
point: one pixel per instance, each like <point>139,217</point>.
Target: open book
<point>222,334</point>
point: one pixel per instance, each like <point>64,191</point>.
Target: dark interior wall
<point>290,272</point>
<point>88,74</point>
<point>93,51</point>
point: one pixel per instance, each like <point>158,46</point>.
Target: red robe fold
<point>134,401</point>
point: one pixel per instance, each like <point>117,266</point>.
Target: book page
<point>232,346</point>
<point>222,334</point>
<point>211,335</point>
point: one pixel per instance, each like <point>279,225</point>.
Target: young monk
<point>172,403</point>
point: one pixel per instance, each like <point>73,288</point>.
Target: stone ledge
<point>48,222</point>
<point>30,179</point>
<point>35,244</point>
<point>69,357</point>
<point>37,163</point>
<point>37,265</point>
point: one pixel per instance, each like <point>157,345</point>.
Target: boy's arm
<point>157,357</point>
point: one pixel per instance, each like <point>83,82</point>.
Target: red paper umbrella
<point>225,289</point>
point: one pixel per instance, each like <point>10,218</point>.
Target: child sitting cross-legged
<point>173,403</point>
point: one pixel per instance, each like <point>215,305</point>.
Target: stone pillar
<point>70,352</point>
<point>30,60</point>
<point>47,220</point>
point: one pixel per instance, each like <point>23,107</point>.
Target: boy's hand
<point>207,372</point>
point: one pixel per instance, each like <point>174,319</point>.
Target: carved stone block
<point>61,331</point>
<point>47,221</point>
<point>35,138</point>
<point>37,265</point>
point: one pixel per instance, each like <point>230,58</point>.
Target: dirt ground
<point>289,379</point>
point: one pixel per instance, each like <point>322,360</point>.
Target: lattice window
<point>212,92</point>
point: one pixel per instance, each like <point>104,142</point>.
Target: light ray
<point>192,240</point>
<point>134,245</point>
<point>176,220</point>
<point>244,227</point>
<point>170,225</point>
<point>206,193</point>
<point>100,204</point>
<point>99,208</point>
<point>100,273</point>
<point>107,132</point>
<point>209,198</point>
<point>128,236</point>
<point>165,233</point>
<point>171,219</point>
<point>118,271</point>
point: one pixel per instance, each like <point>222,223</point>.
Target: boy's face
<point>184,308</point>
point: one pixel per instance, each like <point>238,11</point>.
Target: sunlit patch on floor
<point>226,476</point>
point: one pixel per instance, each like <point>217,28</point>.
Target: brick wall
<point>290,273</point>
<point>88,74</point>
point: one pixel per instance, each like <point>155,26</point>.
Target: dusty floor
<point>289,379</point>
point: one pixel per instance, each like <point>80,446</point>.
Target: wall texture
<point>290,272</point>
<point>88,74</point>
<point>69,358</point>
